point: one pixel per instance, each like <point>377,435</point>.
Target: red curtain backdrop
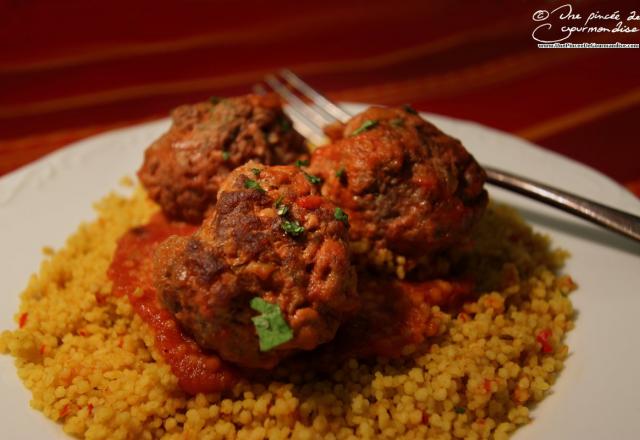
<point>73,68</point>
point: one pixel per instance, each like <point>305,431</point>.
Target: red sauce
<point>310,202</point>
<point>131,269</point>
<point>395,313</point>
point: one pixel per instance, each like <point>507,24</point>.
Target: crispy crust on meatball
<point>409,189</point>
<point>184,168</point>
<point>244,249</point>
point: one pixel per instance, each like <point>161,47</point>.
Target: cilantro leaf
<point>302,163</point>
<point>340,173</point>
<point>270,325</point>
<point>292,227</point>
<point>398,122</point>
<point>366,125</point>
<point>314,180</point>
<point>282,210</point>
<point>256,171</point>
<point>252,184</point>
<point>225,155</point>
<point>285,123</point>
<point>340,215</point>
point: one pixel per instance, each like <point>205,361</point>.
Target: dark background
<point>69,69</point>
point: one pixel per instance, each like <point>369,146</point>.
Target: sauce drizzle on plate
<point>130,271</point>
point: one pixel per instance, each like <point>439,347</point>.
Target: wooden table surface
<point>71,69</point>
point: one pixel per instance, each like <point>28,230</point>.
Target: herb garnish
<point>252,184</point>
<point>225,155</point>
<point>281,209</point>
<point>310,177</point>
<point>256,171</point>
<point>340,172</point>
<point>459,410</point>
<point>340,215</point>
<point>398,122</point>
<point>270,325</point>
<point>407,108</point>
<point>292,227</point>
<point>314,180</point>
<point>215,100</point>
<point>285,124</point>
<point>366,125</point>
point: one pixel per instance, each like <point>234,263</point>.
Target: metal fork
<point>309,118</point>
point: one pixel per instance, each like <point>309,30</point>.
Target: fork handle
<point>619,221</point>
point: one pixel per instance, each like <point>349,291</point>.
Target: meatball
<point>183,169</point>
<point>410,190</point>
<point>271,235</point>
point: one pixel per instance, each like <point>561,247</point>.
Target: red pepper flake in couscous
<point>22,321</point>
<point>487,385</point>
<point>475,380</point>
<point>65,411</point>
<point>543,339</point>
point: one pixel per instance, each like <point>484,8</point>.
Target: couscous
<point>92,365</point>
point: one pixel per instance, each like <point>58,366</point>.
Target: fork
<point>310,115</point>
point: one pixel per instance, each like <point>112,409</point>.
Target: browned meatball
<point>183,169</point>
<point>409,189</point>
<point>271,235</point>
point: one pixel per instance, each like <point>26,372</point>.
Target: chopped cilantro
<point>285,124</point>
<point>270,325</point>
<point>281,209</point>
<point>340,172</point>
<point>314,180</point>
<point>256,171</point>
<point>252,184</point>
<point>302,163</point>
<point>292,227</point>
<point>459,410</point>
<point>215,100</point>
<point>398,122</point>
<point>342,216</point>
<point>366,125</point>
<point>407,108</point>
<point>225,155</point>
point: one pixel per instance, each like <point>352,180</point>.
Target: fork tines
<point>310,114</point>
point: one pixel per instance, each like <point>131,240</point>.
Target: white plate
<point>596,396</point>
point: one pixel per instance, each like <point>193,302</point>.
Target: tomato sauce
<point>130,271</point>
<point>394,314</point>
<point>310,202</point>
